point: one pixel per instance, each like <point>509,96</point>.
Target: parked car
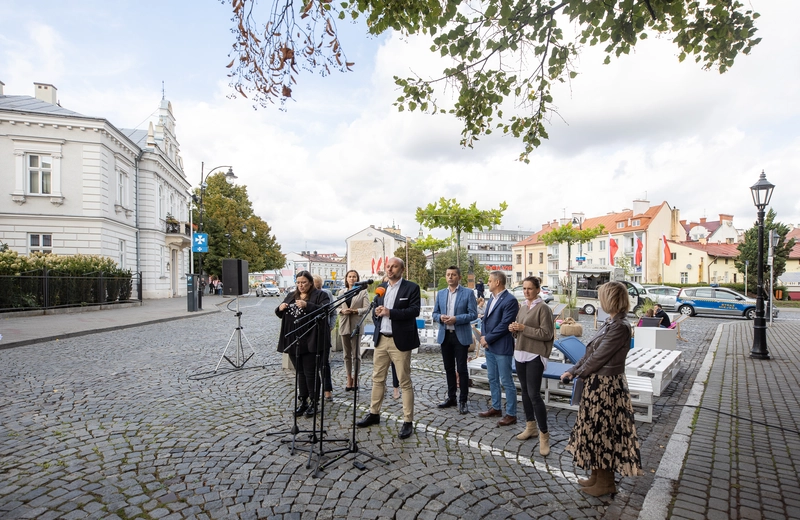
<point>267,289</point>
<point>716,301</point>
<point>665,295</point>
<point>545,295</point>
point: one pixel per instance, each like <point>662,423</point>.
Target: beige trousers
<point>385,353</point>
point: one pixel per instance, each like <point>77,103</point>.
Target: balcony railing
<point>178,228</point>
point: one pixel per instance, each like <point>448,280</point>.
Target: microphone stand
<point>321,362</point>
<point>295,430</point>
<point>353,448</point>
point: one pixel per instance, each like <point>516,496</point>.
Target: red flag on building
<point>667,252</point>
<point>612,249</point>
<point>639,246</point>
<point>373,266</point>
<point>378,268</point>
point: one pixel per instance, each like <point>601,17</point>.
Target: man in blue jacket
<point>455,308</point>
<point>501,311</point>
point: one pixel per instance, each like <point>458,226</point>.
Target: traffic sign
<point>200,242</point>
<point>580,258</point>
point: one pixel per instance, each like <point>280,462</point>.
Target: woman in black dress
<point>301,344</point>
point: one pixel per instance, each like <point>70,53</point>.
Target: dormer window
<point>620,225</point>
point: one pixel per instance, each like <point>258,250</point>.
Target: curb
<point>656,502</point>
<point>44,339</point>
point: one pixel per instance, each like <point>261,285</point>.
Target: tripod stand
<point>239,348</point>
<point>353,448</point>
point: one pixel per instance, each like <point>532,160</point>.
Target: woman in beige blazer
<point>534,332</point>
<point>349,314</point>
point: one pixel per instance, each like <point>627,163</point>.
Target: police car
<point>717,301</point>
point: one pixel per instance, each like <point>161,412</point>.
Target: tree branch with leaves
<point>488,43</point>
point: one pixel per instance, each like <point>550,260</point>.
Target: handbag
<point>577,392</point>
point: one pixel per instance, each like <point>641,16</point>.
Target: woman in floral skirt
<point>604,439</point>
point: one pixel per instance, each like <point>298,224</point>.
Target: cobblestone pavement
<point>130,423</point>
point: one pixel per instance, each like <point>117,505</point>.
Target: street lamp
<point>762,192</point>
<point>229,177</point>
<point>375,241</point>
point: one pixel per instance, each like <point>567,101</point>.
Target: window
<point>602,245</point>
<point>588,261</point>
<point>726,260</point>
<point>519,276</point>
<point>541,258</point>
<point>530,258</point>
<point>589,247</point>
<point>602,261</point>
<point>675,256</point>
<point>636,222</point>
<point>121,188</point>
<point>40,243</point>
<point>620,225</point>
<point>519,259</point>
<point>684,277</point>
<point>40,168</point>
<point>122,254</point>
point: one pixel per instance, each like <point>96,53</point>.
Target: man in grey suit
<point>455,308</point>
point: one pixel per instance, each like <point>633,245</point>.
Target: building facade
<point>368,250</point>
<point>79,185</point>
<point>494,248</point>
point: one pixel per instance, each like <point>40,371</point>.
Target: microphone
<point>380,291</point>
<point>362,285</point>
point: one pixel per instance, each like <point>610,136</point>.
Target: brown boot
<point>530,431</point>
<point>544,443</point>
<point>604,484</point>
<point>588,482</point>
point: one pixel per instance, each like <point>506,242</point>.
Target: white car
<point>267,289</point>
<point>544,294</point>
<point>665,295</point>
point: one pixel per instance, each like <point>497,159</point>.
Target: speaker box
<point>235,278</point>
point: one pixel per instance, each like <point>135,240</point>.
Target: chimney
<point>640,206</point>
<point>1,88</point>
<point>46,92</point>
<point>723,217</point>
<point>702,220</point>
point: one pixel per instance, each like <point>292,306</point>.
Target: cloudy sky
<point>340,157</point>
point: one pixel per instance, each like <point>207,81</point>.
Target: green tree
<point>570,235</point>
<point>228,211</point>
<point>748,250</point>
<point>448,214</point>
<point>447,258</point>
<point>429,243</point>
<point>416,270</point>
<point>503,53</point>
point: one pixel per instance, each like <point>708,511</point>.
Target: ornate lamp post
<point>229,177</point>
<point>762,192</point>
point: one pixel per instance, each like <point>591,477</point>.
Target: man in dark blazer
<point>497,339</point>
<point>396,335</point>
<point>454,310</point>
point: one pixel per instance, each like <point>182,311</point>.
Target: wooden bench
<point>660,366</point>
<point>558,394</point>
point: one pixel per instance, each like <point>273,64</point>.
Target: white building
<point>78,184</point>
<point>368,250</point>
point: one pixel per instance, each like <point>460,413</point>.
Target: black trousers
<point>307,375</point>
<point>454,358</point>
<point>530,379</point>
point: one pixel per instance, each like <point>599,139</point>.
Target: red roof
<point>720,250</point>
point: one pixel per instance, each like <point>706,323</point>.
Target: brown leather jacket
<point>606,352</point>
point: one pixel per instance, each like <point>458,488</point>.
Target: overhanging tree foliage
<point>416,270</point>
<point>502,51</point>
<point>228,210</point>
<point>448,214</point>
<point>748,250</point>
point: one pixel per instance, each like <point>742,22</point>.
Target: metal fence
<point>49,289</point>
